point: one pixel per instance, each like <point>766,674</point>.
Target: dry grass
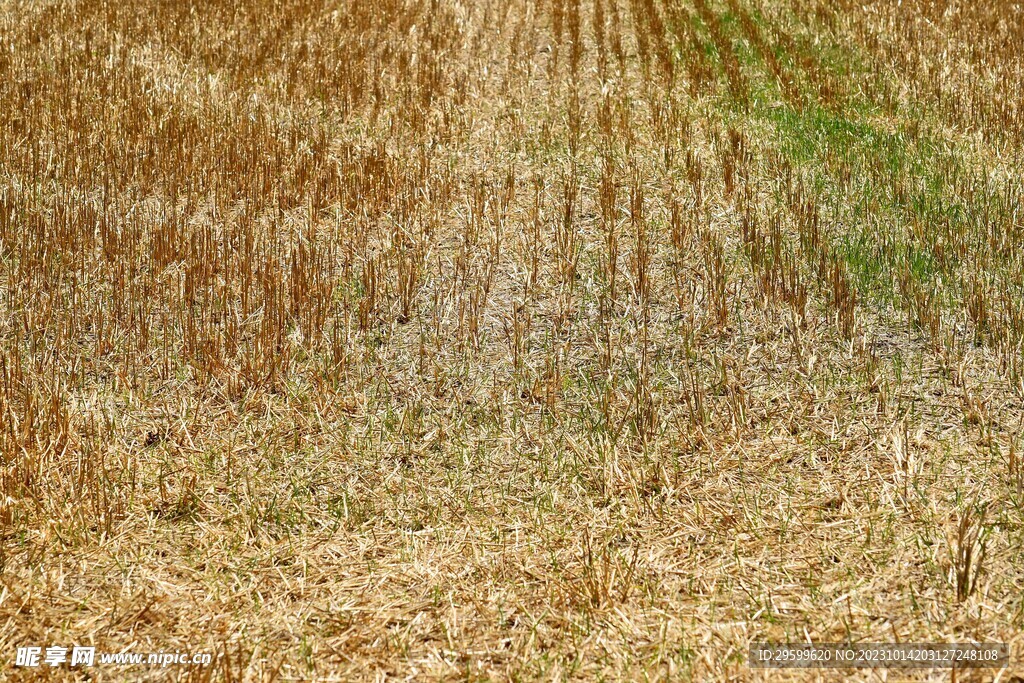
<point>581,339</point>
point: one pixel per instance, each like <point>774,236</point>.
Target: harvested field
<point>583,340</point>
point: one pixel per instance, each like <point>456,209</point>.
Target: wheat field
<point>507,339</point>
